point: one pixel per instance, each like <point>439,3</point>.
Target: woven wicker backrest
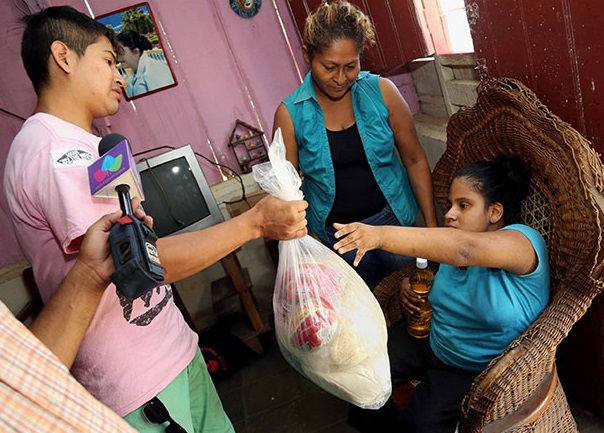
<point>566,203</point>
<point>566,206</point>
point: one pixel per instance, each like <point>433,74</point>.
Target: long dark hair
<point>505,180</point>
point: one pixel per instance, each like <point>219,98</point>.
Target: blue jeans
<point>376,264</point>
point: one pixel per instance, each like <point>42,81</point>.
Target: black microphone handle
<point>123,192</point>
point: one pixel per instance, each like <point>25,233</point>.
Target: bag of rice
<point>328,324</point>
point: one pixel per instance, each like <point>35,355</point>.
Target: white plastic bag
<point>329,325</point>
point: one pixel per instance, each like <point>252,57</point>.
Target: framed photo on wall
<point>143,62</point>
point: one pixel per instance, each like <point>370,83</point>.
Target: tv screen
<point>177,194</point>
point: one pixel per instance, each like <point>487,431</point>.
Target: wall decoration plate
<point>245,8</point>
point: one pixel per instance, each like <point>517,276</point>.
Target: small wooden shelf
<point>255,147</point>
<point>248,145</point>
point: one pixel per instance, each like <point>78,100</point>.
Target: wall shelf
<point>248,144</point>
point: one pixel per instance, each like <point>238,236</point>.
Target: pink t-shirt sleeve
<point>65,198</point>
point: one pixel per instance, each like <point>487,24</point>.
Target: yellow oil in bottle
<point>421,280</point>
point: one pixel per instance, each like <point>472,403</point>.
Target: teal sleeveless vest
<point>314,156</point>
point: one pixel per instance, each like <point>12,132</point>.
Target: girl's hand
<point>361,237</point>
<point>409,299</point>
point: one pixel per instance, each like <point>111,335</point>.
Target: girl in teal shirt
<point>492,283</point>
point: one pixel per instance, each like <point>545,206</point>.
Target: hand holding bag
<point>328,324</point>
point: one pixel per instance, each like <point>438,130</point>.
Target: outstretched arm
<point>186,254</point>
<point>504,249</point>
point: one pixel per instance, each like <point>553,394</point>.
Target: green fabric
<point>191,400</point>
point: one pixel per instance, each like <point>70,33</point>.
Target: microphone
<point>133,243</point>
<point>115,167</point>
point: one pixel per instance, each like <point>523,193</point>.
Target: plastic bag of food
<point>328,324</point>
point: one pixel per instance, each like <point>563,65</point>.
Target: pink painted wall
<point>227,68</point>
<point>17,96</point>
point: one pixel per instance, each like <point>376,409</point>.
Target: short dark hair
<point>57,23</point>
<point>507,180</point>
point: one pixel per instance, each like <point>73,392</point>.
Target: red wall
<point>555,47</point>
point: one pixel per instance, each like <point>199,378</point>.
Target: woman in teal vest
<point>493,282</point>
<point>344,130</point>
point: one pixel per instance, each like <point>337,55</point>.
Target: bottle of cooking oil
<point>421,280</point>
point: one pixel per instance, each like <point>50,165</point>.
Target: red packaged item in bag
<point>328,324</point>
<point>313,326</point>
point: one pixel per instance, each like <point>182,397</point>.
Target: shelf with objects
<point>248,144</point>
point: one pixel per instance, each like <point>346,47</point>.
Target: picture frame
<point>143,63</point>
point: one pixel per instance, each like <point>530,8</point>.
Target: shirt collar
<point>307,89</point>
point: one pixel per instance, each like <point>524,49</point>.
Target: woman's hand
<point>361,237</point>
<point>409,299</point>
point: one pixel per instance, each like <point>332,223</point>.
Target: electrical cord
<point>237,175</point>
<point>243,197</point>
<point>12,114</point>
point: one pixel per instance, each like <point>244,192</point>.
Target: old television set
<point>177,194</point>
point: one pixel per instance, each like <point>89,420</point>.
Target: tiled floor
<point>587,422</point>
<point>268,396</point>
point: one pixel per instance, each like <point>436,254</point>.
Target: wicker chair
<point>519,391</point>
